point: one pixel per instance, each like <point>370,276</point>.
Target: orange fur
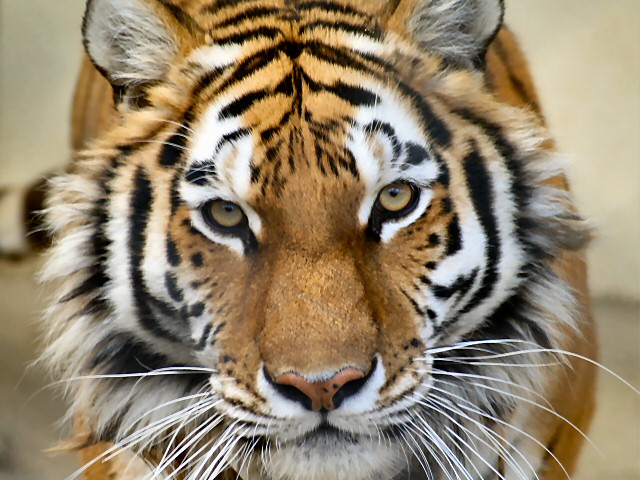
<point>511,83</point>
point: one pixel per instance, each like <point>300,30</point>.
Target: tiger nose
<point>324,395</point>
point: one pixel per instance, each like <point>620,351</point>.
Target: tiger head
<point>306,212</point>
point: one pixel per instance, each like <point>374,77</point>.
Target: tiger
<point>316,240</point>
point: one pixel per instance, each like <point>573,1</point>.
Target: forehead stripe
<point>239,106</point>
<point>250,14</point>
<point>243,37</point>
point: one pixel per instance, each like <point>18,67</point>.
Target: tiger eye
<point>226,214</point>
<point>395,197</point>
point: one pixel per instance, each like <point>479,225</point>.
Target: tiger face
<point>308,214</point>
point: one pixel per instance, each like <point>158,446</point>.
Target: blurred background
<point>585,58</point>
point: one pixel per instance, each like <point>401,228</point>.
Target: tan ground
<point>28,413</point>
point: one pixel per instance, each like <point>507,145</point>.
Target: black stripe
<point>197,309</point>
<point>353,165</point>
<point>344,26</point>
<point>354,95</point>
<point>93,284</point>
<point>252,13</point>
<point>454,236</point>
<point>520,189</point>
<point>415,154</point>
<point>435,126</point>
<point>243,69</point>
<point>197,260</point>
<point>140,207</point>
<point>331,7</point>
<point>173,255</point>
<point>414,304</point>
<point>241,104</point>
<point>481,191</point>
<point>285,86</point>
<point>377,126</point>
<point>242,37</point>
<point>203,338</point>
<point>232,137</point>
<point>173,148</point>
<point>100,244</point>
<point>461,285</point>
<point>250,66</point>
<point>255,173</point>
<point>349,59</point>
<point>444,178</point>
<point>121,354</point>
<point>216,5</point>
<point>172,287</point>
<point>176,199</point>
<point>162,308</point>
<point>200,173</point>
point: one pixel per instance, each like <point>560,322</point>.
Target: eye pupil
<point>394,192</point>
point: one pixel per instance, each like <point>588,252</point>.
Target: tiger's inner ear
<point>134,42</point>
<point>458,30</point>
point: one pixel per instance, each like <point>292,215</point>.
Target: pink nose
<point>323,395</point>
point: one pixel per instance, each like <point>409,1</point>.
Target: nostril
<point>290,391</point>
<point>352,387</point>
<point>349,389</point>
<point>324,395</point>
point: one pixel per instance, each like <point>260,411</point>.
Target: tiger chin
<point>316,240</point>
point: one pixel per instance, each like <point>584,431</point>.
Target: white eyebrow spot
<point>217,56</point>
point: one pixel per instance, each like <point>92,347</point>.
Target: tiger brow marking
<point>343,26</point>
<point>217,5</point>
<point>255,13</point>
<point>242,37</point>
<point>332,7</point>
<point>240,70</point>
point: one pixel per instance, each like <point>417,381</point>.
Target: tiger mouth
<point>328,433</point>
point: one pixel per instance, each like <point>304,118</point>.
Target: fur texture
<point>461,311</point>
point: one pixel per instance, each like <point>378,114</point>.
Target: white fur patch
<point>213,57</point>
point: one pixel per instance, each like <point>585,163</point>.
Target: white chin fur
<point>328,458</point>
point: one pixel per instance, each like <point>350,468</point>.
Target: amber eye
<point>394,201</point>
<point>396,197</point>
<point>224,215</point>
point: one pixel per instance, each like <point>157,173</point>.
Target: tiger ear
<point>134,42</point>
<point>458,30</point>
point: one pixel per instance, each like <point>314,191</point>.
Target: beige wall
<point>585,56</point>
